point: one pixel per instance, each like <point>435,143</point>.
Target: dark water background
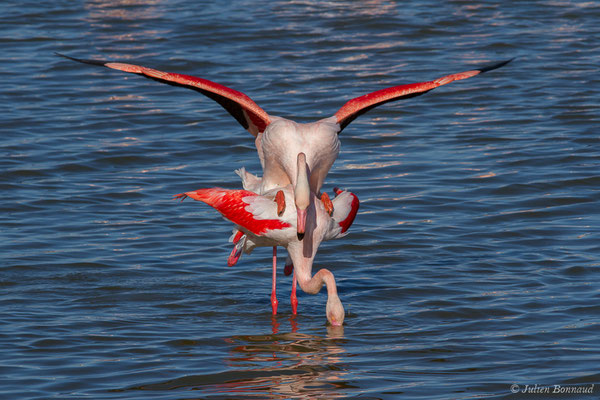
<point>473,264</point>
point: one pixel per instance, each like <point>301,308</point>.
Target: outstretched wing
<point>234,206</point>
<point>241,107</point>
<point>360,105</point>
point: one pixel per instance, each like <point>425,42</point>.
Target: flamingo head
<point>301,195</point>
<point>334,310</point>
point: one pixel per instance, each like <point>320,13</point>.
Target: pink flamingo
<point>279,140</point>
<point>258,218</point>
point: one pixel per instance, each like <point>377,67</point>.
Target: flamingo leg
<point>238,245</point>
<point>289,266</point>
<point>274,302</point>
<point>293,297</point>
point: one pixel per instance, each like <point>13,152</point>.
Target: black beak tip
<point>300,235</point>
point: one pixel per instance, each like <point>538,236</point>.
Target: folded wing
<point>345,208</point>
<point>242,207</point>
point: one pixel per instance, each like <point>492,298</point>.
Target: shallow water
<point>473,263</point>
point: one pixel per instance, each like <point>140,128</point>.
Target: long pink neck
<point>314,285</point>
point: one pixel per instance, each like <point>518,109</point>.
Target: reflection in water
<point>125,24</point>
<point>287,364</point>
<point>132,10</point>
<point>272,366</point>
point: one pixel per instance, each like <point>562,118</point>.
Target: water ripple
<point>472,264</point>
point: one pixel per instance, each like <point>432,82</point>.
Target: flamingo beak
<point>301,227</point>
<point>301,195</point>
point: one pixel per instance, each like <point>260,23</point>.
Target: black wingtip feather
<point>92,62</point>
<point>494,66</point>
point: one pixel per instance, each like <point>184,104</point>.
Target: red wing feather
<point>360,105</point>
<point>231,204</point>
<point>353,209</point>
<point>241,107</point>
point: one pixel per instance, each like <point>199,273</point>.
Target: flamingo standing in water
<point>346,207</point>
<point>279,140</point>
<point>258,218</point>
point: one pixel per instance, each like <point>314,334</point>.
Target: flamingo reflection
<point>288,365</point>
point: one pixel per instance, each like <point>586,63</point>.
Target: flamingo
<point>258,218</point>
<point>279,140</point>
<point>346,214</point>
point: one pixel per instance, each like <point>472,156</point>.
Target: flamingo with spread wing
<point>279,140</point>
<point>259,224</point>
<point>279,143</point>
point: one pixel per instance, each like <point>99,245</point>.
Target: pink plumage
<point>294,156</point>
<point>351,209</point>
<point>231,204</point>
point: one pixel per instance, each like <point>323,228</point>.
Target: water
<point>473,263</point>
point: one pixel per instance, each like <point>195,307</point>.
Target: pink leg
<point>293,297</point>
<point>289,266</point>
<point>238,245</point>
<point>273,291</point>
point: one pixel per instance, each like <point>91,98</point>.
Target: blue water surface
<point>471,270</point>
